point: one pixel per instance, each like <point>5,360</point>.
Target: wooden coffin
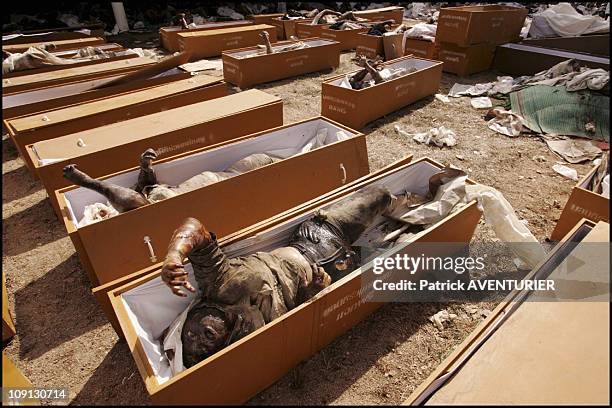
<point>36,81</point>
<point>169,35</point>
<point>118,146</point>
<point>30,129</point>
<point>539,347</point>
<point>245,71</point>
<point>230,205</point>
<point>212,43</point>
<point>582,203</point>
<point>355,108</point>
<point>277,347</point>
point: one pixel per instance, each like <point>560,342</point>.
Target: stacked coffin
<point>466,36</point>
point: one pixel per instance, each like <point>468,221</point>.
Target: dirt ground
<point>64,340</point>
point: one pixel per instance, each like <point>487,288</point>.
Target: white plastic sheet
<point>562,20</point>
<point>500,216</point>
<point>566,172</point>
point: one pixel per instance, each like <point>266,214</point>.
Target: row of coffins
<point>195,127</point>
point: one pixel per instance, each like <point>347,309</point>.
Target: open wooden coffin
<point>34,128</point>
<point>118,146</point>
<point>231,204</point>
<point>245,67</point>
<point>145,307</point>
<point>357,107</point>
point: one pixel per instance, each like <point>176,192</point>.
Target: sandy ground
<point>63,339</point>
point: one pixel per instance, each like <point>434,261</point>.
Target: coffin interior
<point>311,44</point>
<point>284,142</point>
<point>151,307</point>
<point>407,64</point>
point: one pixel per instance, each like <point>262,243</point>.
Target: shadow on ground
<point>55,308</point>
<point>329,373</point>
<point>116,381</point>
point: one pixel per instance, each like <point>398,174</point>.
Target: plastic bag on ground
<point>505,122</point>
<point>437,136</point>
<point>481,102</point>
<point>565,171</point>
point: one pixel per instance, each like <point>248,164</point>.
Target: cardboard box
<point>118,146</point>
<point>346,38</point>
<point>169,35</point>
<point>582,203</point>
<point>212,43</point>
<point>563,360</point>
<point>245,72</point>
<point>280,345</point>
<point>8,326</point>
<point>30,129</point>
<point>521,59</point>
<point>268,190</point>
<point>469,25</point>
<point>287,27</point>
<point>373,45</point>
<point>71,44</point>
<point>49,98</point>
<point>420,48</point>
<point>67,75</point>
<point>381,14</point>
<point>307,30</point>
<point>356,108</point>
<point>465,61</point>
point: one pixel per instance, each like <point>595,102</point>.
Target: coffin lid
<point>79,111</point>
<point>116,134</point>
<point>229,30</point>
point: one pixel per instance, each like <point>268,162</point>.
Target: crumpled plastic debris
<point>574,150</point>
<point>440,136</point>
<point>505,122</point>
<point>442,317</point>
<point>228,12</point>
<point>500,216</point>
<point>442,98</point>
<point>565,171</point>
<point>570,74</point>
<point>481,102</point>
<point>562,20</point>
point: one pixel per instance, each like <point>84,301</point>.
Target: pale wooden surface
<point>550,352</point>
<point>76,72</point>
<point>150,125</point>
<point>91,108</point>
<point>230,30</point>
